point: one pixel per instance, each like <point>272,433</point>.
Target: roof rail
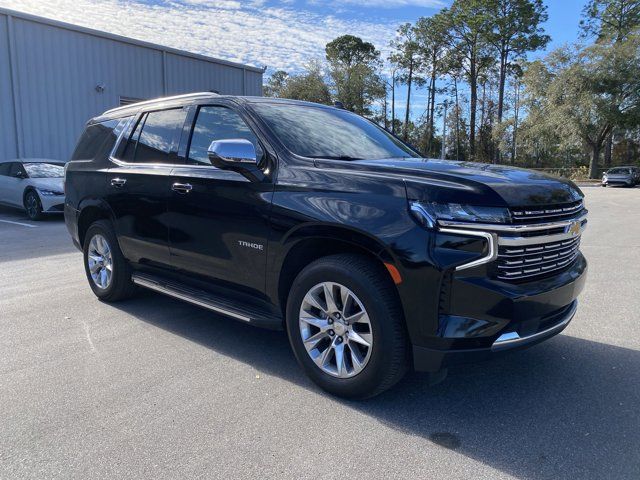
<point>185,96</point>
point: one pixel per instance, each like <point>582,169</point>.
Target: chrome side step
<point>512,339</point>
<point>207,300</point>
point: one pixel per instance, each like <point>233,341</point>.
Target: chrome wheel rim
<point>32,205</point>
<point>336,330</point>
<point>100,261</point>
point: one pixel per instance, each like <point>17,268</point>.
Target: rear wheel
<point>33,205</point>
<point>107,270</point>
<point>346,326</point>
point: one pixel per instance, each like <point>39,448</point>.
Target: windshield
<point>318,132</point>
<point>44,170</point>
<point>620,171</point>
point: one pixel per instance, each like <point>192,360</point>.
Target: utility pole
<point>444,129</point>
<point>393,101</point>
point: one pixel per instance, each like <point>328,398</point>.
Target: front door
<point>139,185</point>
<point>219,218</point>
<point>12,183</point>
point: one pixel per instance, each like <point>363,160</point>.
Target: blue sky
<point>279,34</point>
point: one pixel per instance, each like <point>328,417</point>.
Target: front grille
<point>548,213</point>
<point>519,262</point>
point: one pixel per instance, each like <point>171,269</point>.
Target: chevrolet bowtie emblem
<point>574,229</point>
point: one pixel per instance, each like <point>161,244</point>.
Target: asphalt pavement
<point>155,388</point>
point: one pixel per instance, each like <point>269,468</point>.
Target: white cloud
<point>395,3</point>
<point>241,31</point>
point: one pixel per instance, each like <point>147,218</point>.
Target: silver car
<point>626,176</point>
<point>33,184</point>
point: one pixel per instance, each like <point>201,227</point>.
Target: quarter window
<point>218,123</point>
<point>156,137</point>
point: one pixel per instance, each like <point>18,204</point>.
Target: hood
<point>48,183</point>
<point>474,183</point>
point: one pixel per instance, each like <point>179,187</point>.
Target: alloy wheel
<point>336,330</point>
<point>32,205</point>
<point>100,261</point>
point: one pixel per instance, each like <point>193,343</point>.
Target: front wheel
<point>346,327</point>
<point>107,270</point>
<point>33,205</point>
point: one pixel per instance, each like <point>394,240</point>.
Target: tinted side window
<point>17,168</point>
<point>130,149</point>
<point>94,139</point>
<point>217,123</point>
<point>156,137</point>
<point>4,168</point>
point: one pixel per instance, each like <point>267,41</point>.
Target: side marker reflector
<point>395,274</point>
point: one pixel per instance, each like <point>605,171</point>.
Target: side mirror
<point>233,153</point>
<point>21,175</point>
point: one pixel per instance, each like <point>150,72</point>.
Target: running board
<point>216,303</point>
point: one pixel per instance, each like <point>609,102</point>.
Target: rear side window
<point>95,139</point>
<point>156,137</point>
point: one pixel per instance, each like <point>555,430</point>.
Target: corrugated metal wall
<point>57,68</point>
<point>7,121</point>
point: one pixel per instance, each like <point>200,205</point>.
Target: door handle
<point>182,187</point>
<point>118,182</point>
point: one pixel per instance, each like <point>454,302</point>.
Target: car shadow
<point>567,408</point>
<point>22,239</point>
<point>19,215</point>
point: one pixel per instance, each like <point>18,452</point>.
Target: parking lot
<point>155,388</point>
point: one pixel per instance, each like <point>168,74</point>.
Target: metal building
<point>55,76</point>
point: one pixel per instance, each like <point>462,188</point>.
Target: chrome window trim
<point>118,141</point>
<point>491,239</point>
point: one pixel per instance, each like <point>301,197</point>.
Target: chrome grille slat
<point>546,248</point>
<point>544,251</point>
<point>538,260</point>
<point>527,264</point>
<point>550,212</point>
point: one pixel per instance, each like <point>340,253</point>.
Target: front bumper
<point>501,317</point>
<point>52,203</point>
<point>618,181</point>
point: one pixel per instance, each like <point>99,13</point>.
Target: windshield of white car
<point>331,133</point>
<point>44,170</point>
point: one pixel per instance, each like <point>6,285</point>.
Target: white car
<point>33,184</point>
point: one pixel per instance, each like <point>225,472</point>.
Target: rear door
<point>219,223</point>
<point>139,184</point>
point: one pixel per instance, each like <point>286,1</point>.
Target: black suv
<point>297,216</point>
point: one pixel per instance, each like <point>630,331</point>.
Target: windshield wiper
<point>335,157</point>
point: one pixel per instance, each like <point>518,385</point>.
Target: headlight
<point>50,193</point>
<point>430,213</point>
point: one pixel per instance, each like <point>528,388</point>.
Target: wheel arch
<point>90,212</point>
<point>311,243</point>
<point>27,189</point>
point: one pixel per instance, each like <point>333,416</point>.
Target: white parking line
<point>19,223</point>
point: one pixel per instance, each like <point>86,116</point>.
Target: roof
<point>31,160</point>
<point>162,102</point>
<point>120,38</point>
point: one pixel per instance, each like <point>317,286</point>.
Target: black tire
<point>33,205</point>
<point>120,286</point>
<point>373,287</point>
